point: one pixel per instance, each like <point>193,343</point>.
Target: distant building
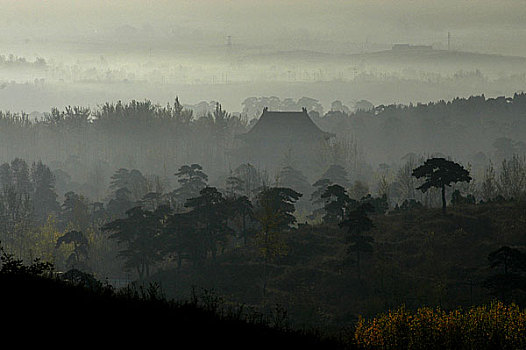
<point>284,127</point>
<point>278,133</point>
<point>402,47</point>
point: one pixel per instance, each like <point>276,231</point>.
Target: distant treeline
<point>467,128</point>
<point>88,145</point>
<point>12,61</point>
<point>138,135</point>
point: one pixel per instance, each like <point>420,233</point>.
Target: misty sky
<point>159,49</point>
<point>483,26</point>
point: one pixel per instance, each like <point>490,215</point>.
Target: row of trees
<point>137,135</point>
<point>197,221</point>
<point>204,227</point>
<point>201,220</point>
<point>89,143</point>
<point>503,182</point>
<point>475,129</point>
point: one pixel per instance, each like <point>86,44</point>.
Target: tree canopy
<point>439,173</point>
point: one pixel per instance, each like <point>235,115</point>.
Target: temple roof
<point>292,126</point>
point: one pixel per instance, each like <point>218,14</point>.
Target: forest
<point>255,174</point>
<point>404,207</point>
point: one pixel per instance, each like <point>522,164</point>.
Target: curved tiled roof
<point>293,126</point>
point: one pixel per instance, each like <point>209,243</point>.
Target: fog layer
<point>58,53</point>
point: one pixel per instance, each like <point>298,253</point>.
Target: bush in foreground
<point>496,326</point>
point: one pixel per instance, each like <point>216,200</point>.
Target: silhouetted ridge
<point>42,304</point>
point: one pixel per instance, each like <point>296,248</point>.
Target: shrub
<point>496,326</point>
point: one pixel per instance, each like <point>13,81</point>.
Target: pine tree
<point>192,180</point>
<point>337,203</point>
<point>337,175</point>
<point>357,223</point>
<point>439,173</point>
<point>293,178</point>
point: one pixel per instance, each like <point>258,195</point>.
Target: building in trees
<point>278,133</point>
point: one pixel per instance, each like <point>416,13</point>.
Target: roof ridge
<point>277,123</point>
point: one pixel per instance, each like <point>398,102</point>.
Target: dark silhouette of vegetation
<point>192,180</point>
<point>262,232</point>
<point>316,197</point>
<point>140,232</point>
<point>439,173</point>
<point>458,199</point>
<point>358,223</point>
<point>11,266</point>
<point>241,207</point>
<point>512,275</point>
<point>408,205</point>
<point>80,248</point>
<point>337,203</point>
<point>32,291</point>
<point>274,212</point>
<point>146,201</point>
<point>380,205</point>
<point>210,216</point>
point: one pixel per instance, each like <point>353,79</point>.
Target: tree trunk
<point>444,199</point>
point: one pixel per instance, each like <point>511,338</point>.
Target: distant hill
<point>409,57</point>
<point>430,56</point>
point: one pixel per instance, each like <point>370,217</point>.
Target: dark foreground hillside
<point>51,311</point>
<point>38,305</point>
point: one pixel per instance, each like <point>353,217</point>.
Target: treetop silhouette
<point>439,173</point>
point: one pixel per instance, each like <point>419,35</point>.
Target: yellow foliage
<point>496,326</point>
<point>271,244</point>
<point>47,239</point>
<point>269,240</point>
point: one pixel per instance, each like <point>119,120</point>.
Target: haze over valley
<point>333,174</point>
